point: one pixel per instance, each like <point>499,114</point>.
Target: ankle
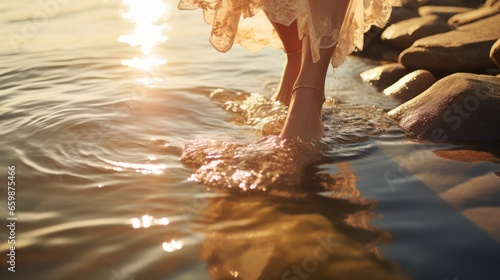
<point>293,52</point>
<point>294,56</point>
<point>318,91</point>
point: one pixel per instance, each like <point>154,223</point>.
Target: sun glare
<point>144,63</point>
<point>147,221</point>
<point>149,17</point>
<point>173,245</point>
<point>144,168</point>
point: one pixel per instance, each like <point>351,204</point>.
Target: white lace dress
<point>245,23</point>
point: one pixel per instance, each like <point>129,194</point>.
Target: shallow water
<point>142,153</point>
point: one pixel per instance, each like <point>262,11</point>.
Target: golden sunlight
<point>147,221</point>
<point>144,63</point>
<point>173,245</point>
<point>149,18</point>
<point>144,168</point>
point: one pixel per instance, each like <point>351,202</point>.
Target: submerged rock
<point>461,106</point>
<point>444,12</point>
<point>384,75</point>
<point>495,53</point>
<point>404,33</point>
<point>410,85</point>
<point>464,49</point>
<point>471,154</point>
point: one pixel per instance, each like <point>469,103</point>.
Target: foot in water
<point>304,117</point>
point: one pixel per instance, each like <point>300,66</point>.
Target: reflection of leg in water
<point>342,185</point>
<point>266,237</point>
<point>345,182</point>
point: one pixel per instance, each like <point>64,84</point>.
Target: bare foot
<point>291,70</point>
<point>304,115</point>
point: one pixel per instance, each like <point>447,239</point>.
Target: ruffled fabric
<point>326,22</point>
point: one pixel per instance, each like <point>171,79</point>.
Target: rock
<point>490,3</point>
<point>471,154</point>
<point>412,4</point>
<point>404,33</point>
<point>479,191</point>
<point>461,106</point>
<point>464,49</point>
<point>495,53</point>
<point>484,218</point>
<point>384,75</point>
<point>444,12</point>
<point>473,15</point>
<point>410,85</point>
<point>374,49</point>
<point>377,50</point>
<point>452,3</point>
<point>401,13</point>
<point>493,71</point>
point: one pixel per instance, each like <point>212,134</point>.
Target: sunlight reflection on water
<point>145,14</point>
<point>149,18</point>
<point>173,245</point>
<point>147,168</point>
<point>146,221</point>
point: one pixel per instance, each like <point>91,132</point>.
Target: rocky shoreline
<point>445,68</point>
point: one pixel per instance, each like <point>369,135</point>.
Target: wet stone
<point>461,106</point>
<point>384,75</point>
<point>410,85</point>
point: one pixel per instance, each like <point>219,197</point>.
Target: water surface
<point>142,153</point>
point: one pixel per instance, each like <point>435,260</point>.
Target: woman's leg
<point>290,38</point>
<point>304,114</point>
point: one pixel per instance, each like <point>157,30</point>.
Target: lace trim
<point>325,22</point>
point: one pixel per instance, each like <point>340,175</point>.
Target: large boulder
<point>384,75</point>
<point>464,49</point>
<point>444,12</point>
<point>495,53</point>
<point>410,85</point>
<point>461,106</point>
<point>404,33</point>
<point>474,15</point>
